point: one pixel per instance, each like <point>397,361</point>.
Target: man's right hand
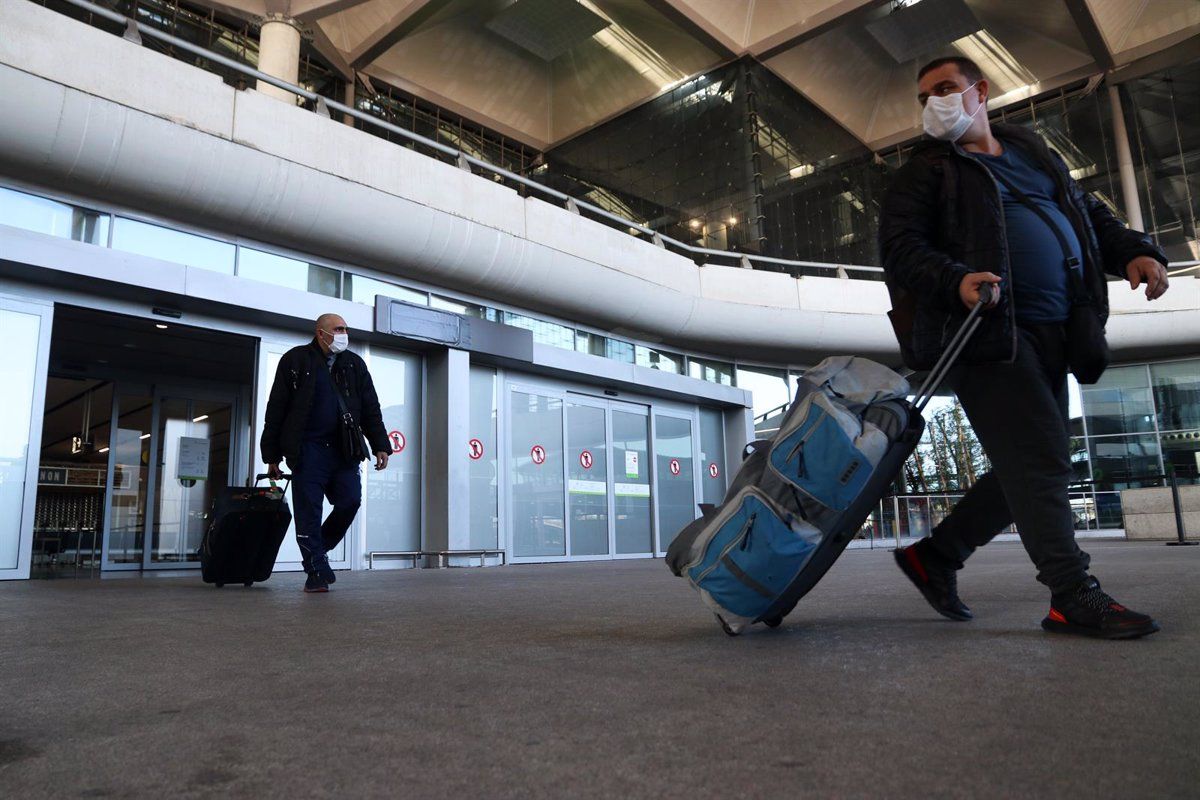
<point>274,472</point>
<point>968,289</point>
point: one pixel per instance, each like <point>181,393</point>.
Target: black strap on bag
<point>1087,347</point>
<point>350,435</point>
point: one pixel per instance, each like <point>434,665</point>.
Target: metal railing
<point>323,105</point>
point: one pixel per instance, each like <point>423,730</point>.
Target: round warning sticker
<point>398,441</point>
<point>674,466</point>
<point>476,449</point>
<point>538,454</point>
<point>714,470</point>
<point>585,459</point>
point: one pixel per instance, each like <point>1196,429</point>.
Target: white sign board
<point>193,459</point>
<point>631,464</point>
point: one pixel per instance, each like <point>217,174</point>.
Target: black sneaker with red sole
<point>315,585</point>
<point>938,584</point>
<point>1087,610</point>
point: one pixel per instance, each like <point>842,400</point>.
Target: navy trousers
<point>1020,413</point>
<point>323,473</point>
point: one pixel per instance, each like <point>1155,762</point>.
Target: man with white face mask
<point>321,405</point>
<point>980,204</point>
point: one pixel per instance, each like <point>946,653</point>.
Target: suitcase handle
<point>284,477</point>
<point>957,344</point>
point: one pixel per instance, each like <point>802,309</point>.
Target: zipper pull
<point>749,528</point>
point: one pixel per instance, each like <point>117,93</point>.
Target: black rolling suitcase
<point>245,530</point>
<point>800,497</point>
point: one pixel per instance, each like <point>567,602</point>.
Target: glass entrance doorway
<point>141,426</point>
<point>579,477</point>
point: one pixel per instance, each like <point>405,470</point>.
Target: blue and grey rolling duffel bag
<point>800,497</point>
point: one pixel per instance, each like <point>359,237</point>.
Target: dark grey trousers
<point>1020,413</point>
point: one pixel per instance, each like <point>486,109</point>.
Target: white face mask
<point>945,117</point>
<point>340,342</point>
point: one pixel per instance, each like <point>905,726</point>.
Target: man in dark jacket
<point>304,425</point>
<point>960,215</point>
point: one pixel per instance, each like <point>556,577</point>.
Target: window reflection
<point>41,215</point>
<point>289,272</point>
<point>189,249</point>
<point>361,289</point>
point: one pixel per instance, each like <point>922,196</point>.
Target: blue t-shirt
<point>1041,293</point>
<point>324,412</point>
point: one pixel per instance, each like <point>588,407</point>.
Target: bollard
<point>1178,512</point>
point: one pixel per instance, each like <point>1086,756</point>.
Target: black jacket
<point>292,394</point>
<point>943,218</point>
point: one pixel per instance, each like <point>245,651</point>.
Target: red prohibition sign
<point>538,454</point>
<point>398,441</point>
<point>585,459</point>
<point>674,466</point>
<point>476,449</point>
<point>714,470</point>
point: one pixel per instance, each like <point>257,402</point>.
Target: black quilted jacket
<point>943,218</point>
<point>291,397</point>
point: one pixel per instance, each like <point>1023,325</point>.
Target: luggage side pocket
<point>821,461</point>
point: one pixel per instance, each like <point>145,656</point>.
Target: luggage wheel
<point>725,627</point>
<point>220,585</point>
<point>773,622</point>
<point>248,584</point>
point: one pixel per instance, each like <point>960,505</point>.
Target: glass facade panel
<point>483,463</point>
<point>712,455</point>
<point>769,386</point>
<point>189,249</point>
<point>18,374</point>
<point>544,332</point>
<point>587,475</point>
<point>1177,395</point>
<point>1119,403</point>
<point>536,474</point>
<point>658,359</point>
<point>56,219</point>
<point>290,272</point>
<point>711,371</point>
<point>393,495</point>
<point>631,479</point>
<point>362,289</point>
<point>674,469</point>
<point>1119,462</point>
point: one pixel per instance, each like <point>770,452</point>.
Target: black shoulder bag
<point>1087,347</point>
<point>349,435</point>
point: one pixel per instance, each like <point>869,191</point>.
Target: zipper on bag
<point>743,534</point>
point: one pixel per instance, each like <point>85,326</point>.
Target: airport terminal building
<point>586,249</point>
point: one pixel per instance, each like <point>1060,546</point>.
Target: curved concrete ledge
<point>139,128</point>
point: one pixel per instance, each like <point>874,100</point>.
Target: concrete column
<point>279,54</point>
<point>739,431</point>
<point>348,99</point>
<point>1129,190</point>
<point>447,422</point>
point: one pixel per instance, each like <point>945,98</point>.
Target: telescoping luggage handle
<point>953,350</point>
<point>265,476</point>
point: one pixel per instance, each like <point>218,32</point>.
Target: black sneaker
<point>315,584</point>
<point>1087,610</point>
<point>322,568</point>
<point>937,583</point>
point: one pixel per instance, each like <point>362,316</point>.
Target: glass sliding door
<point>129,459</point>
<point>674,462</point>
<point>633,529</point>
<point>536,475</point>
<point>587,472</point>
<point>25,330</point>
<point>192,450</point>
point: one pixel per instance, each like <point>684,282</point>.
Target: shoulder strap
<point>1070,262</point>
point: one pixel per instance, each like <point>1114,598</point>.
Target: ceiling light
<point>102,450</point>
<point>802,170</point>
<point>200,418</point>
<point>694,224</point>
<point>160,326</point>
<point>733,220</point>
<point>144,436</point>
